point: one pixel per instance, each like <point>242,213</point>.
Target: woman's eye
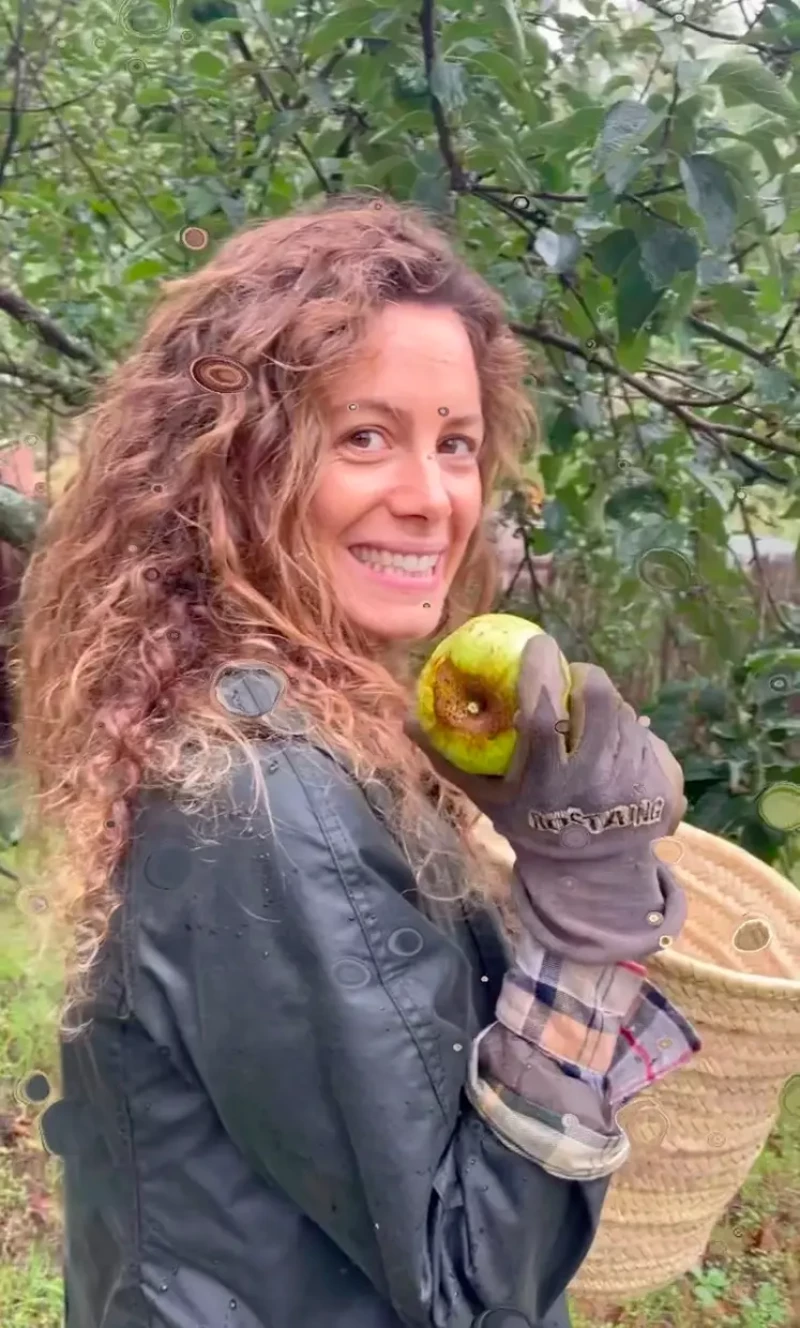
<point>362,439</point>
<point>459,446</point>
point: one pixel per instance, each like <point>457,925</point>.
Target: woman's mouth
<point>409,570</point>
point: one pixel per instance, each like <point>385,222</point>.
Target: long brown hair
<point>182,544</point>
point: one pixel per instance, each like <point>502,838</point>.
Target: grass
<point>750,1276</point>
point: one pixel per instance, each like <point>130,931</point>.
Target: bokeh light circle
<point>668,850</point>
<point>194,238</point>
<point>779,806</point>
<point>34,1089</point>
<point>790,1097</point>
<point>158,26</point>
<point>665,569</point>
<point>32,902</point>
<point>574,836</point>
<point>646,1125</point>
<point>753,935</point>
<point>220,374</point>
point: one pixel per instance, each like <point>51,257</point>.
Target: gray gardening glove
<point>584,799</point>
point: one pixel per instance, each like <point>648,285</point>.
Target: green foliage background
<point>626,174</point>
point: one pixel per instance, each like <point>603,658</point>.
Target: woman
<point>277,1109</point>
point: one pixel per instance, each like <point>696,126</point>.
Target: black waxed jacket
<point>265,1125</point>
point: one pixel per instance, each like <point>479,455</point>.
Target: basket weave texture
<point>735,973</point>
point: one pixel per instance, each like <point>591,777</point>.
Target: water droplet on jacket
<point>484,978</point>
<point>351,973</point>
<point>406,941</point>
<point>265,954</point>
<point>164,1287</point>
<point>457,1046</point>
<point>272,767</point>
<point>232,1303</point>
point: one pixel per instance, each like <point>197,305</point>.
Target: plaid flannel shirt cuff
<point>606,1026</point>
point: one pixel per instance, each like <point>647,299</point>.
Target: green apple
<point>467,692</point>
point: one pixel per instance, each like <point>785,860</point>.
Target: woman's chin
<point>394,623</point>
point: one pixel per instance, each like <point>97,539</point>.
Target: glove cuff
<point>598,922</point>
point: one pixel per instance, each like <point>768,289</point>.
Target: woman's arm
<point>332,1025</point>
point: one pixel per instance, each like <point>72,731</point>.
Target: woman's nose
<point>422,489</point>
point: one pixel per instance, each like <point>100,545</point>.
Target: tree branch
<point>14,118</point>
<point>71,394</point>
<point>712,429</point>
<point>725,339</point>
<point>426,25</point>
<point>785,330</point>
<point>547,197</point>
<point>762,576</point>
<point>268,95</point>
<point>744,39</point>
<point>50,334</point>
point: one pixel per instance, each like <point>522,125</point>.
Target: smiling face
<point>400,493</point>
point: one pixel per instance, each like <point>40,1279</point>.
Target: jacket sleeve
<point>332,1024</point>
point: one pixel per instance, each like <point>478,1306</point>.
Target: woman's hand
<point>587,794</point>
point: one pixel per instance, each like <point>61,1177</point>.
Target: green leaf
<point>559,252</point>
<point>209,11</point>
<point>509,8</point>
<point>636,298</point>
<point>774,386</point>
<point>447,83</point>
<point>711,195</point>
<point>632,354</point>
<point>144,270</point>
<point>610,253</point>
<point>574,131</point>
<point>618,154</point>
<point>199,202</point>
<point>207,65</point>
<point>748,82</point>
<point>626,125</point>
<point>153,96</point>
<point>562,431</point>
<point>166,204</point>
<point>666,251</point>
<point>635,498</point>
<point>350,21</point>
<point>763,140</point>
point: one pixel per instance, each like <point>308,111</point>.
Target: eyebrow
<point>398,413</point>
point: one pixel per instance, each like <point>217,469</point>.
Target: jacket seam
<point>130,923</point>
<point>350,894</point>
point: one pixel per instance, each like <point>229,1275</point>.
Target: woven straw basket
<point>735,973</point>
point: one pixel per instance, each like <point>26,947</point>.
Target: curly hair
<point>182,545</point>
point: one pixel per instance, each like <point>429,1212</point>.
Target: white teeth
<point>415,564</point>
